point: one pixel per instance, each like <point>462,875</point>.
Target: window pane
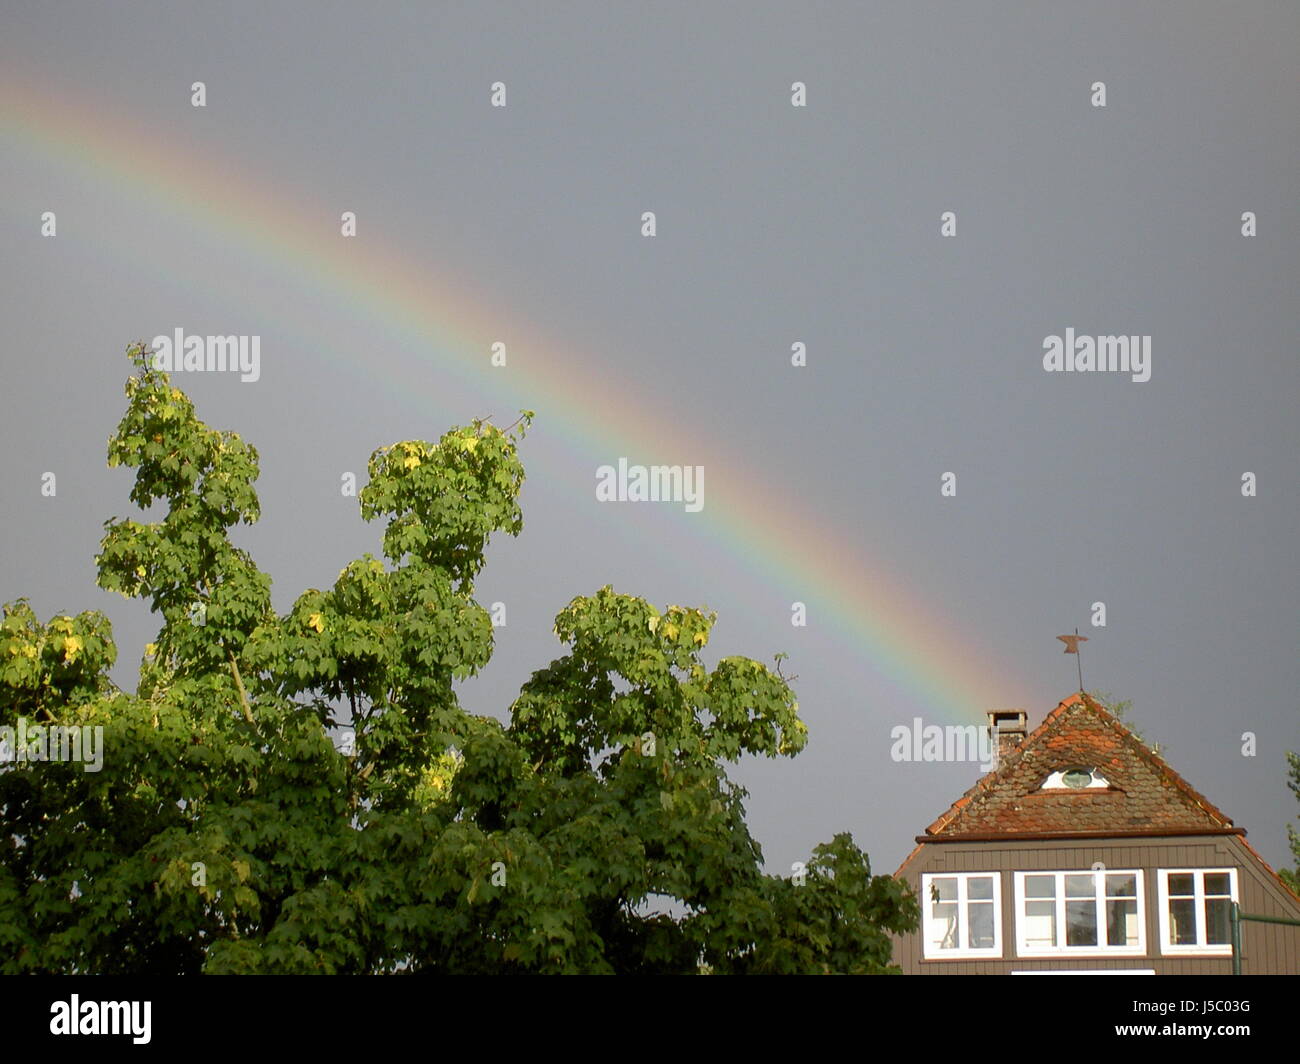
<point>980,917</point>
<point>1080,923</point>
<point>1218,883</point>
<point>943,925</point>
<point>1040,924</point>
<point>1040,886</point>
<point>1121,886</point>
<point>944,889</point>
<point>1182,922</point>
<point>980,888</point>
<point>1218,923</point>
<point>1182,884</point>
<point>1121,923</point>
<point>1080,886</point>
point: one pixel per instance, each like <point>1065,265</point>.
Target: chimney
<point>1007,729</point>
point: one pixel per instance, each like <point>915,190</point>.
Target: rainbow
<point>849,593</point>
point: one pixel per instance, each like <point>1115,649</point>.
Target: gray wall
<point>1266,948</point>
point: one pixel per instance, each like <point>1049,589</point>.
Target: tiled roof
<point>1145,795</point>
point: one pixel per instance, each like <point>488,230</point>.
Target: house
<point>1083,852</point>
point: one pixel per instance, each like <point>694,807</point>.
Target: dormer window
<point>1075,778</point>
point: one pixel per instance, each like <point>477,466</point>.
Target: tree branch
<point>239,684</point>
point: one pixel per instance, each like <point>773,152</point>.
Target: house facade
<point>1082,851</point>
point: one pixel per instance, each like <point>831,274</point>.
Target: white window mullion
<point>1099,909</point>
<point>997,915</point>
<point>1198,893</point>
<point>963,916</point>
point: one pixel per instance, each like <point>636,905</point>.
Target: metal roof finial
<point>1072,647</point>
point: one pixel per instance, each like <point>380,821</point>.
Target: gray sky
<point>775,224</point>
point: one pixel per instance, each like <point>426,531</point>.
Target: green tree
<point>1292,876</point>
<point>228,831</point>
<point>1121,710</point>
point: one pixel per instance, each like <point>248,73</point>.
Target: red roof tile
<point>1145,795</point>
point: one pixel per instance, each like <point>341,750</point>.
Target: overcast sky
<point>775,225</point>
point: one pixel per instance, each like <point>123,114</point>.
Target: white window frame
<point>1099,899</point>
<point>961,952</point>
<point>1200,947</point>
<point>1088,971</point>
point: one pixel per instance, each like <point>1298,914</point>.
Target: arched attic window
<point>1075,778</point>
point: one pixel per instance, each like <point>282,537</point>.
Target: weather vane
<point>1072,647</point>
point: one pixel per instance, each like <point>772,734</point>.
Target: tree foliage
<point>1121,710</point>
<point>1292,876</point>
<point>231,830</point>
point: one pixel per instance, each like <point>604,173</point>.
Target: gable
<point>1142,794</point>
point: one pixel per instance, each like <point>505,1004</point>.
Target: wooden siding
<point>1266,948</point>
